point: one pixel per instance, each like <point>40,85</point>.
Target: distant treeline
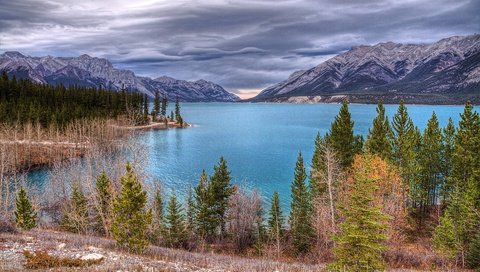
<point>24,101</point>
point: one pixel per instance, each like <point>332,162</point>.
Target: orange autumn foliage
<point>390,193</point>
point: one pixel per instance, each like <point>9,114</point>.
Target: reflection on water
<point>259,141</point>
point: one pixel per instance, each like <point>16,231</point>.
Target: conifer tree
<point>459,223</point>
<point>158,217</point>
<point>172,116</point>
<point>341,137</point>
<point>25,216</point>
<point>406,145</point>
<point>158,214</point>
<point>190,211</point>
<point>378,139</point>
<point>104,195</point>
<point>362,234</point>
<point>156,106</point>
<point>75,216</point>
<point>177,110</point>
<point>473,255</point>
<point>164,105</point>
<point>175,230</point>
<point>318,166</point>
<point>275,222</point>
<point>130,219</point>
<point>448,134</point>
<point>145,109</point>
<point>221,190</point>
<point>204,216</point>
<point>402,134</point>
<point>466,157</point>
<point>301,210</point>
<point>430,167</point>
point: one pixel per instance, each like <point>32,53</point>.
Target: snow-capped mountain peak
<point>99,72</point>
<point>390,69</point>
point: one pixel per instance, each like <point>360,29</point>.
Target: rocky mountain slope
<point>445,72</point>
<point>98,72</point>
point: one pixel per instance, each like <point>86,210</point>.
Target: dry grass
<point>193,259</point>
<point>41,259</point>
<point>418,255</point>
<point>27,146</point>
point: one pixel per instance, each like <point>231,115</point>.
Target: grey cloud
<point>239,44</point>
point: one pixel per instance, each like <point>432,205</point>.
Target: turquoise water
<point>259,141</point>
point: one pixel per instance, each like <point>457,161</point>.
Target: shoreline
<point>153,125</point>
<point>32,154</point>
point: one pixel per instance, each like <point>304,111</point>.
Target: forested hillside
<point>23,101</point>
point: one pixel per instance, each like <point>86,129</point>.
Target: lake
<point>260,141</point>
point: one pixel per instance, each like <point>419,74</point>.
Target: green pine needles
<point>378,139</point>
<point>75,216</point>
<point>25,216</point>
<point>301,210</point>
<point>362,234</point>
<point>175,227</point>
<point>130,217</point>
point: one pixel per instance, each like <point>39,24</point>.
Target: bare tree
<point>325,200</point>
<point>244,218</point>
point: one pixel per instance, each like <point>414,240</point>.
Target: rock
<point>418,73</point>
<point>99,72</point>
<point>92,256</point>
<point>92,248</point>
<point>61,246</point>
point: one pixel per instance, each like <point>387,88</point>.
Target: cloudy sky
<point>244,45</point>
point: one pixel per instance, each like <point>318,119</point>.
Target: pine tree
<point>157,227</point>
<point>156,106</point>
<point>362,234</point>
<point>190,211</point>
<point>378,139</point>
<point>301,210</point>
<point>145,109</point>
<point>221,190</point>
<point>158,214</point>
<point>466,156</point>
<point>341,137</point>
<point>204,216</point>
<point>177,110</point>
<point>445,238</point>
<point>175,230</point>
<point>172,116</point>
<point>473,255</point>
<point>130,219</point>
<point>430,167</point>
<point>318,166</point>
<point>448,134</point>
<point>25,216</point>
<point>406,145</point>
<point>459,223</point>
<point>275,222</point>
<point>75,217</point>
<point>104,195</point>
<point>402,134</point>
<point>164,105</point>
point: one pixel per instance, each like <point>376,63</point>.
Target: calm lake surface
<point>259,141</point>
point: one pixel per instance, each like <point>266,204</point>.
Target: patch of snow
<point>92,256</point>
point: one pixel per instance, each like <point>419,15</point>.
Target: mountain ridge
<point>445,72</point>
<point>97,72</point>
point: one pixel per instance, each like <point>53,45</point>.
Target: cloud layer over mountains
<point>242,45</point>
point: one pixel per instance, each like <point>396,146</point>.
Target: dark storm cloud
<point>242,45</point>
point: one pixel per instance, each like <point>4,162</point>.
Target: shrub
<point>41,260</point>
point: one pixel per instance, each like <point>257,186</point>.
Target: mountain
<point>98,72</point>
<point>445,72</point>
